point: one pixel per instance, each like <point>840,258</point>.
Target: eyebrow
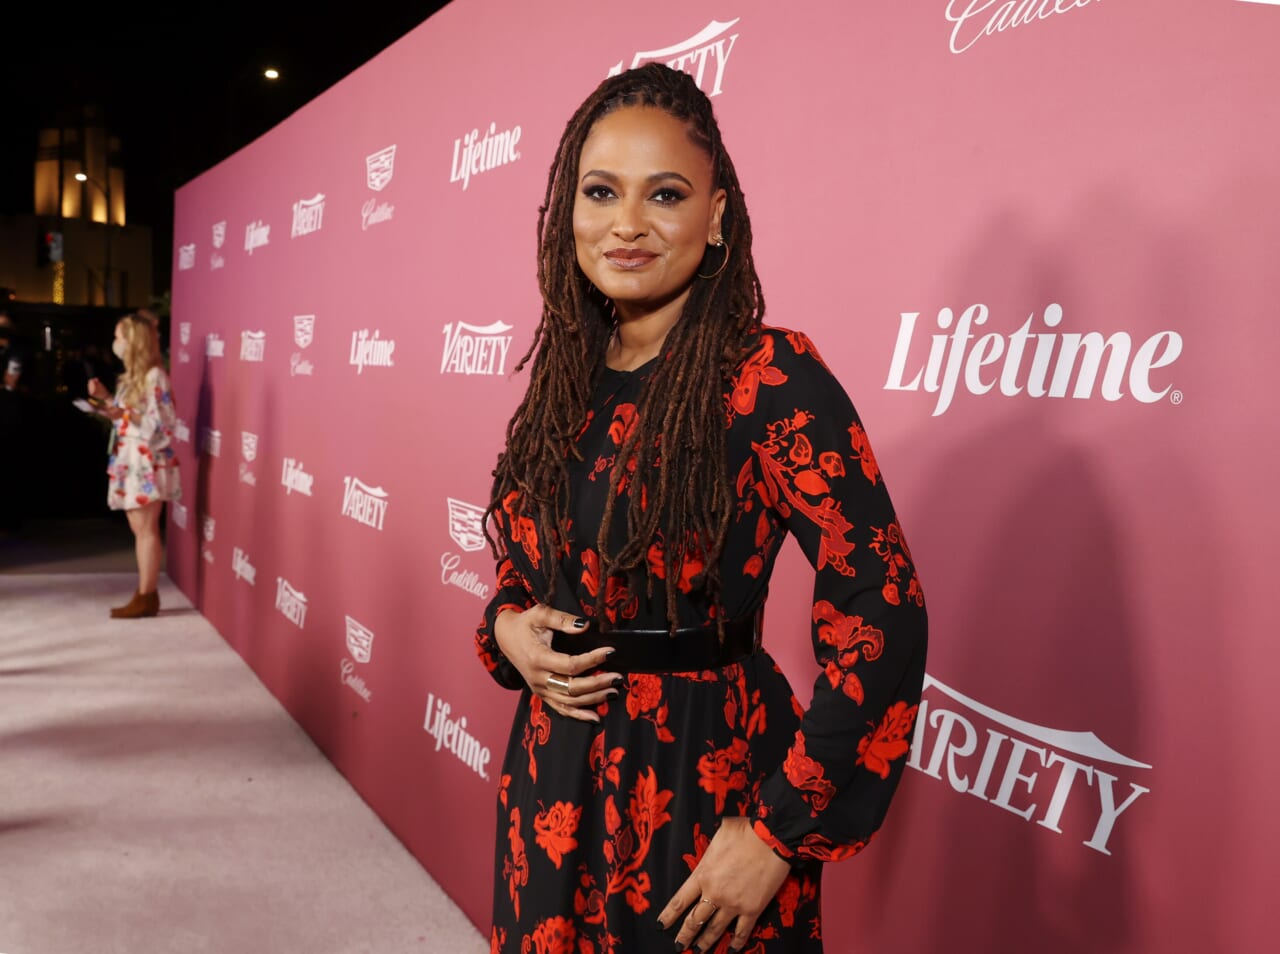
<point>656,177</point>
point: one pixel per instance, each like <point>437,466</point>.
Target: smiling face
<point>645,210</point>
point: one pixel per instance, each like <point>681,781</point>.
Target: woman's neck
<point>638,336</point>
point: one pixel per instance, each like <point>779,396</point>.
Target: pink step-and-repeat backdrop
<point>1038,242</point>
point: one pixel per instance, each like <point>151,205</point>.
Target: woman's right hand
<point>525,639</point>
<point>97,390</point>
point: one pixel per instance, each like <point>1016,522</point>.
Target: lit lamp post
<point>106,272</point>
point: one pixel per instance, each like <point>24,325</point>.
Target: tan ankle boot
<point>142,604</point>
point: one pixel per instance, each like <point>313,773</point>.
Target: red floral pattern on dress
<point>891,546</point>
<point>862,452</point>
<point>521,528</point>
<point>555,828</point>
<point>725,770</point>
<point>809,777</point>
<point>852,640</point>
<point>515,867</point>
<point>789,480</point>
<point>536,732</point>
<point>629,842</point>
<point>644,701</point>
<point>605,767</point>
<point>888,741</point>
<point>553,936</point>
<point>757,370</point>
<point>692,565</point>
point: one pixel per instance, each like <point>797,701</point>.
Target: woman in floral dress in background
<point>142,468</point>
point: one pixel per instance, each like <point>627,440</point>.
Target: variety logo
<point>364,504</point>
<point>473,154</point>
<point>969,737</point>
<point>973,19</point>
<point>291,603</point>
<point>212,442</point>
<point>295,478</point>
<point>253,345</point>
<point>371,351</point>
<point>241,567</point>
<point>179,514</point>
<point>304,327</point>
<point>181,432</point>
<point>256,235</point>
<point>703,56</point>
<point>214,346</point>
<point>475,349</point>
<point>307,215</point>
<point>1050,373</point>
<point>219,237</point>
<point>186,256</point>
<point>452,734</point>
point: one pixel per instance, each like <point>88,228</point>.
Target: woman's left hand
<point>735,880</point>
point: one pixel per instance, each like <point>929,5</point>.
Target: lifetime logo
<point>372,351</point>
<point>242,568</point>
<point>452,734</point>
<point>1051,372</point>
<point>1000,762</point>
<point>473,154</point>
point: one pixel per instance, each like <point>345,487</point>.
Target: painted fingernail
<point>680,946</point>
<point>660,924</point>
<point>580,623</point>
<point>611,694</point>
<point>619,683</point>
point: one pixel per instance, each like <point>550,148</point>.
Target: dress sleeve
<point>158,415</point>
<point>812,466</point>
<point>512,593</point>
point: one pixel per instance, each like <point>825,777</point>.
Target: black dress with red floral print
<point>599,824</point>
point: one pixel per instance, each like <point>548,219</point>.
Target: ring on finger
<point>714,907</point>
<point>560,683</point>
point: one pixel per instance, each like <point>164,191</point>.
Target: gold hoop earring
<point>719,243</point>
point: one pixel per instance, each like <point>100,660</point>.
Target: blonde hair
<point>141,354</point>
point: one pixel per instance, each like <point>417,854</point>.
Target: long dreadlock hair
<point>680,489</point>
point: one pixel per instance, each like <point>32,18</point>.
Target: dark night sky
<point>180,87</point>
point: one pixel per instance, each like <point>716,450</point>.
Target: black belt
<point>656,650</point>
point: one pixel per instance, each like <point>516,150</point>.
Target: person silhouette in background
<point>142,467</point>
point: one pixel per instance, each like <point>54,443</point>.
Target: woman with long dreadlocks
<point>663,788</point>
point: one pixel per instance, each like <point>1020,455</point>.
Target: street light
<point>106,195</point>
